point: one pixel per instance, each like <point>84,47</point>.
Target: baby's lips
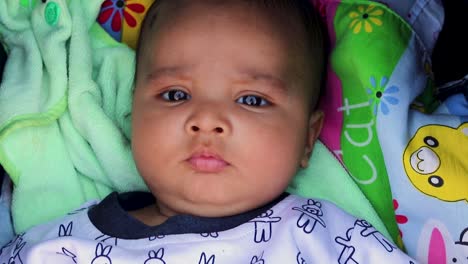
<point>207,163</point>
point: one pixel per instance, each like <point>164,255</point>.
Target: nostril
<point>195,128</point>
<point>219,130</point>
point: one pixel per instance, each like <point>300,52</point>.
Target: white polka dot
<point>465,131</point>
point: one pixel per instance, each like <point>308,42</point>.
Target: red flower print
<point>401,219</point>
<point>116,9</point>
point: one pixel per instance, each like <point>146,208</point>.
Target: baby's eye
<point>175,95</point>
<point>253,100</point>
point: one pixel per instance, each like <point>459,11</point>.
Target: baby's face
<point>220,115</point>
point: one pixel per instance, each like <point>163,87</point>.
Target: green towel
<point>64,109</point>
<point>65,117</point>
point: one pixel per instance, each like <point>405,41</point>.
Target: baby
<point>224,115</point>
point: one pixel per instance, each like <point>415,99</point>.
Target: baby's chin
<point>212,208</point>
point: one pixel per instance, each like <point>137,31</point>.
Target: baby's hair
<point>303,9</point>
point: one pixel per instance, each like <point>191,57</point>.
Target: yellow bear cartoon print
<point>436,161</point>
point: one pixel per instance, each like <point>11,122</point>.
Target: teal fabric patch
<point>52,13</point>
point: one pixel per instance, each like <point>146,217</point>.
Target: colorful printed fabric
<point>425,17</point>
<point>358,90</point>
<point>406,151</point>
<point>122,19</point>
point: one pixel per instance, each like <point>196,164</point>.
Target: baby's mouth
<point>207,163</point>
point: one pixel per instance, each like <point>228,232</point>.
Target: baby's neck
<point>149,215</point>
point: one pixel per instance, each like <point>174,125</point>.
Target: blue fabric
<point>6,227</point>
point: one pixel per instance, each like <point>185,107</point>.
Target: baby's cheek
<point>278,161</point>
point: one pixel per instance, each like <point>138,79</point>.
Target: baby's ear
<point>314,129</point>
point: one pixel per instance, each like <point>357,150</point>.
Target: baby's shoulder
<point>320,222</point>
<point>324,217</point>
<point>63,226</point>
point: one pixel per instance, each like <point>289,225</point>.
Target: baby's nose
<point>208,120</point>
<point>217,130</point>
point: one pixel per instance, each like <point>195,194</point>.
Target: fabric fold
<point>64,109</point>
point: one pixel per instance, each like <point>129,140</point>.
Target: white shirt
<point>294,230</point>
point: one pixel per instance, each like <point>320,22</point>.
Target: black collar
<point>110,216</point>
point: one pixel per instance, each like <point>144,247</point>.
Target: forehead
<point>283,23</point>
<point>277,11</point>
<point>240,25</point>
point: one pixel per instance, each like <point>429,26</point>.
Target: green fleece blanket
<point>65,117</point>
<point>64,109</point>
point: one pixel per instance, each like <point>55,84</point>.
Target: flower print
<point>382,95</point>
<point>365,17</point>
<point>132,7</point>
<point>401,219</point>
<point>116,10</point>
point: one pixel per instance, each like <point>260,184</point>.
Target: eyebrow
<point>272,80</point>
<point>168,71</point>
<point>250,74</point>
